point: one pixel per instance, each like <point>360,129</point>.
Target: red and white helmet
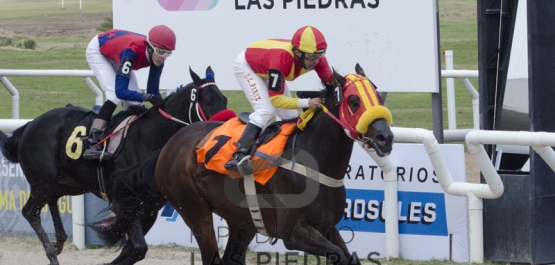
<point>162,37</point>
<point>309,39</point>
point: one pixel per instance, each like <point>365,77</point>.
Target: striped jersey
<point>278,54</point>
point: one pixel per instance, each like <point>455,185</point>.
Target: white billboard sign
<point>394,41</point>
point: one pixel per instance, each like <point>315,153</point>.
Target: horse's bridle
<point>194,103</point>
<point>349,129</point>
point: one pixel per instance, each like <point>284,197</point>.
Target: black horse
<point>175,175</point>
<point>49,150</point>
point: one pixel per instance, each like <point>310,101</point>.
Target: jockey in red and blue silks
<point>262,70</point>
<point>124,46</point>
<point>113,56</point>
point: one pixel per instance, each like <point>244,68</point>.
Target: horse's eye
<point>354,103</point>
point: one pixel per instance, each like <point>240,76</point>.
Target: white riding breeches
<point>105,71</point>
<point>256,90</point>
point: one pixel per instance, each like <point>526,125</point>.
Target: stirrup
<point>244,167</point>
<point>240,163</point>
<point>245,159</point>
<point>100,154</point>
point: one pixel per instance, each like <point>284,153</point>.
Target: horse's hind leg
<point>31,212</point>
<point>61,235</point>
<point>236,248</point>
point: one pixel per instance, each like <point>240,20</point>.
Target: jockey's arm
<point>123,75</point>
<point>284,102</point>
<point>153,83</point>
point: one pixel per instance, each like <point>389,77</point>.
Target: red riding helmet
<point>162,37</point>
<point>309,39</point>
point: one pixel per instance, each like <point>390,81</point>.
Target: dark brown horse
<point>49,150</point>
<point>301,210</point>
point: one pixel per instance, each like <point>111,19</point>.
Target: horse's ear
<point>359,70</point>
<point>340,79</point>
<point>209,73</point>
<point>196,79</point>
<point>381,95</point>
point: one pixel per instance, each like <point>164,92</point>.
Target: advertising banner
<point>432,224</point>
<point>14,193</point>
<point>394,41</point>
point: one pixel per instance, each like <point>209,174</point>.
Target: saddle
<point>217,147</point>
<point>118,127</point>
<point>116,141</point>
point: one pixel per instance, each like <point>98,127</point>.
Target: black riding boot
<point>244,146</point>
<point>96,134</point>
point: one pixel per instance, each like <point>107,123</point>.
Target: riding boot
<point>97,133</point>
<point>244,146</point>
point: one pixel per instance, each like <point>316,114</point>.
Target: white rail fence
<point>85,75</point>
<point>541,142</point>
<point>451,135</point>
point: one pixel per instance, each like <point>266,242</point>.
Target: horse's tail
<point>133,191</point>
<point>9,144</point>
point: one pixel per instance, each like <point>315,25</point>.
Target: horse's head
<point>361,111</point>
<point>202,99</point>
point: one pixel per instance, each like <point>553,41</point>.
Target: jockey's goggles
<point>160,52</point>
<point>314,56</point>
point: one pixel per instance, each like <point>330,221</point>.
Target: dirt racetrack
<point>18,250</point>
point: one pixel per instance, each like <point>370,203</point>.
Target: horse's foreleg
<point>126,252</point>
<point>337,240</point>
<point>61,235</point>
<point>147,221</point>
<point>202,227</point>
<point>308,239</point>
<point>138,245</point>
<point>236,248</point>
<point>31,212</point>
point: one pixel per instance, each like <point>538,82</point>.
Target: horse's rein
<point>120,129</point>
<point>198,108</point>
<point>344,125</point>
<point>194,104</point>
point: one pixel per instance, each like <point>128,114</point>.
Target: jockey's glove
<point>154,100</point>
